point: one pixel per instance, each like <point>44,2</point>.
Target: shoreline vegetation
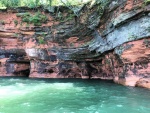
<point>36,3</point>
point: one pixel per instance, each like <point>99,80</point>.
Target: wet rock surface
<point>79,43</point>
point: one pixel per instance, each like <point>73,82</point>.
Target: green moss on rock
<point>37,19</point>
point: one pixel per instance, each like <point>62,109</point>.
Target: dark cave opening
<point>23,73</point>
<point>18,68</point>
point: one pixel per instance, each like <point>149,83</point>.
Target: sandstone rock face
<point>79,43</point>
<point>145,82</point>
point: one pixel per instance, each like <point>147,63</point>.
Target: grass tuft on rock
<point>36,19</point>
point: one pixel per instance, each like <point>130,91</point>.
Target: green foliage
<point>10,3</point>
<point>67,18</point>
<point>71,45</point>
<point>146,2</point>
<point>41,40</point>
<point>21,24</point>
<point>15,22</point>
<point>71,2</point>
<point>101,5</point>
<point>16,34</point>
<point>36,3</point>
<point>27,25</point>
<point>23,14</point>
<point>49,2</point>
<point>2,22</point>
<point>32,3</point>
<point>37,19</point>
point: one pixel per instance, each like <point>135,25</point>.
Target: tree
<point>10,3</point>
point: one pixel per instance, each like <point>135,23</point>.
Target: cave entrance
<point>19,69</point>
<point>24,69</point>
<point>23,73</point>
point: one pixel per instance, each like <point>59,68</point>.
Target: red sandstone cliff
<point>115,45</point>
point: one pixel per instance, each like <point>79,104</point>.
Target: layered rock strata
<point>80,43</point>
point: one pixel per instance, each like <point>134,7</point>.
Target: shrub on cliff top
<point>146,2</point>
<point>37,19</point>
<point>35,3</point>
<point>10,3</point>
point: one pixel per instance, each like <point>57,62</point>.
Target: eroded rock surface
<point>81,43</point>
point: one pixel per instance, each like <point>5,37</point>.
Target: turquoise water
<point>20,95</point>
